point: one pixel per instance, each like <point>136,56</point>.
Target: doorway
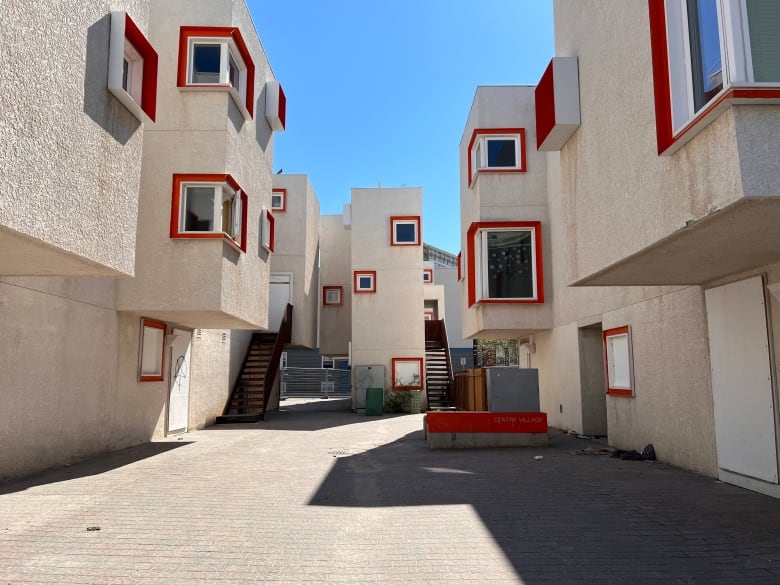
<point>742,384</point>
<point>593,395</point>
<point>179,394</point>
<point>280,294</point>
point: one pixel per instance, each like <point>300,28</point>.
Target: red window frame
<point>429,273</point>
<point>179,179</point>
<point>613,391</point>
<point>474,231</point>
<point>283,194</point>
<point>478,132</point>
<point>326,289</point>
<point>355,279</point>
<point>155,325</point>
<point>217,32</point>
<point>417,360</point>
<point>415,219</point>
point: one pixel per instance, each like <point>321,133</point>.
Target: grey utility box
<point>365,377</point>
<point>512,389</point>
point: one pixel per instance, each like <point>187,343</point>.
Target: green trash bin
<point>375,398</point>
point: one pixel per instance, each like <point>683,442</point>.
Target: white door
<point>179,396</point>
<point>742,379</point>
<point>280,295</point>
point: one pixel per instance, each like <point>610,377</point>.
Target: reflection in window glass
<point>364,282</point>
<point>501,153</point>
<point>706,68</point>
<point>405,232</point>
<point>199,209</point>
<point>509,265</point>
<point>764,23</point>
<point>205,63</point>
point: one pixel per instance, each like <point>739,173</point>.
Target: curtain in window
<point>764,24</point>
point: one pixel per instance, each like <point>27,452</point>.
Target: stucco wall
<point>388,323</point>
<point>448,278</point>
<point>621,189</point>
<point>70,151</point>
<point>335,270</point>
<point>297,245</point>
<point>201,283</point>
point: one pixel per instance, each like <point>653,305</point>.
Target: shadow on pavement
<point>576,516</point>
<point>95,465</point>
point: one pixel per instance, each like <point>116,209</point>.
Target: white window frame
<point>228,51</point>
<point>480,152</point>
<point>365,274</point>
<point>482,251</point>
<point>736,57</point>
<point>130,57</point>
<point>133,72</point>
<point>267,230</point>
<point>332,289</point>
<point>222,193</point>
<point>282,195</point>
<point>405,220</point>
<point>427,275</point>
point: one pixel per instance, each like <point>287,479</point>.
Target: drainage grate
<point>340,452</point>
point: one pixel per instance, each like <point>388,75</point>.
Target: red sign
<point>487,422</point>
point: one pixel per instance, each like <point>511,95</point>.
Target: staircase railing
<point>436,330</point>
<point>284,336</point>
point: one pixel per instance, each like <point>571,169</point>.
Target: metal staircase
<point>438,367</point>
<point>249,399</point>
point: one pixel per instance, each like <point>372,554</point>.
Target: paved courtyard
<point>320,495</point>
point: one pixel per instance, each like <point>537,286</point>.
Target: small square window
<point>331,295</point>
<point>407,373</point>
<point>217,58</point>
<point>365,281</point>
<point>496,150</point>
<point>460,266</point>
<point>151,358</point>
<point>279,199</point>
<point>428,275</point>
<point>619,366</point>
<point>428,315</point>
<point>405,230</point>
<point>209,206</point>
<point>132,67</point>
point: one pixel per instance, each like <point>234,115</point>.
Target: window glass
<point>126,75</point>
<point>199,209</point>
<point>364,282</point>
<point>333,297</point>
<point>510,265</point>
<point>151,351</point>
<point>764,24</point>
<point>618,360</point>
<point>405,232</point>
<point>276,201</point>
<point>205,63</point>
<point>227,215</point>
<point>234,75</point>
<point>501,153</point>
<point>706,68</point>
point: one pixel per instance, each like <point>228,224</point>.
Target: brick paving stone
<point>317,494</point>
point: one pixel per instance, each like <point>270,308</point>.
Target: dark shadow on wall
<point>575,517</point>
<point>93,466</point>
<point>262,129</point>
<point>99,104</point>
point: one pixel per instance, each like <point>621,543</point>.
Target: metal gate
<point>315,382</point>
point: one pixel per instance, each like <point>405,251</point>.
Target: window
<point>619,361</point>
<point>132,67</point>
<point>217,58</point>
<point>209,206</point>
<point>405,230</point>
<point>428,275</point>
<point>331,295</point>
<point>706,54</point>
<point>505,262</point>
<point>407,373</point>
<point>152,342</point>
<point>365,281</point>
<point>267,230</point>
<point>460,266</point>
<point>275,106</point>
<point>279,199</point>
<point>496,150</point>
<point>428,315</point>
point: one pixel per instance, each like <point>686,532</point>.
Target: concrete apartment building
<point>134,225</point>
<point>639,184</point>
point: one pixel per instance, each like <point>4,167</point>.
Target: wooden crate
<point>471,390</point>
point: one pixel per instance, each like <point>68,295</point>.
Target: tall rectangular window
<point>152,342</point>
<point>619,367</point>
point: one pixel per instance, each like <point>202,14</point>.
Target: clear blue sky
<point>379,90</point>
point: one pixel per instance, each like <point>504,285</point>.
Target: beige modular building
<point>135,224</point>
<point>644,190</point>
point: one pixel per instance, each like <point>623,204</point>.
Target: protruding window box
<point>557,100</point>
<point>132,67</point>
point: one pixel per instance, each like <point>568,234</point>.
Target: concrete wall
<point>296,251</point>
<point>453,293</point>
<point>201,283</point>
<point>388,323</point>
<point>504,197</point>
<point>70,151</point>
<point>335,270</point>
